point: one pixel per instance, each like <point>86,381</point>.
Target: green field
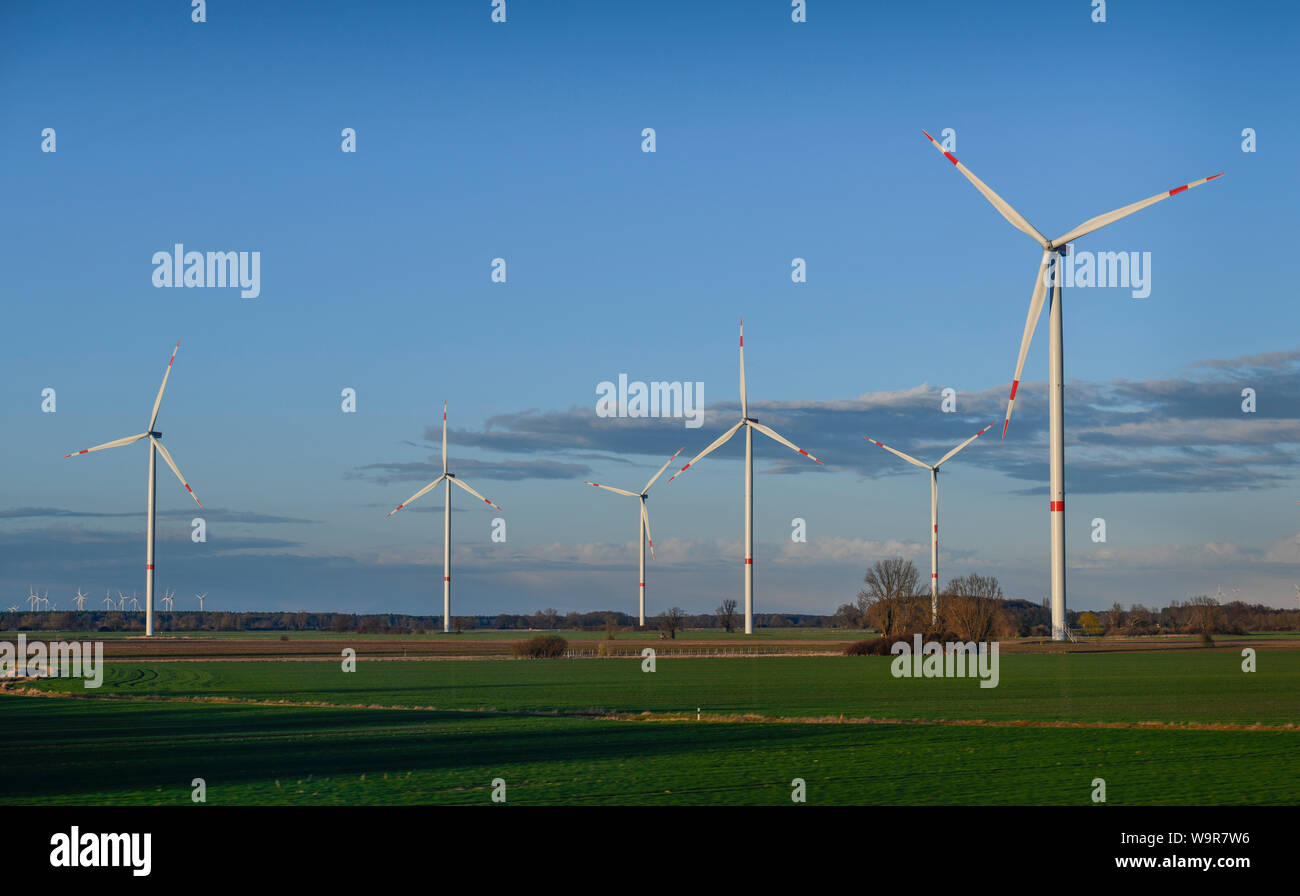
<point>532,723</point>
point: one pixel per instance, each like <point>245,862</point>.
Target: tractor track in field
<point>14,688</point>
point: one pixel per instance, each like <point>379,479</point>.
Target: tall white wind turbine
<point>934,510</point>
<point>200,597</point>
<point>80,600</point>
<point>155,448</point>
<point>645,521</point>
<point>750,425</point>
<point>1053,251</point>
<point>446,478</point>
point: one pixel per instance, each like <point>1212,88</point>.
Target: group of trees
<point>970,607</point>
<point>973,608</point>
<point>1202,615</point>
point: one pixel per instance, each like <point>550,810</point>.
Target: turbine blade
<point>444,436</point>
<point>906,457</point>
<point>1101,221</point>
<point>744,398</point>
<point>480,497</point>
<point>175,469</point>
<point>645,521</point>
<point>115,443</point>
<point>1035,312</point>
<point>717,442</point>
<point>1017,220</point>
<point>773,434</point>
<point>420,494</point>
<point>611,488</point>
<point>949,455</point>
<point>157,402</point>
<point>656,476</point>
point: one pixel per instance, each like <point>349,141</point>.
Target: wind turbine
<point>934,510</point>
<point>80,600</point>
<point>645,520</point>
<point>135,604</point>
<point>121,601</point>
<point>33,599</point>
<point>155,448</point>
<point>200,597</point>
<point>1053,251</point>
<point>447,479</point>
<point>108,602</point>
<point>167,600</point>
<point>750,425</point>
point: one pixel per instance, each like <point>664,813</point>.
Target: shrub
<point>543,647</point>
<point>883,645</point>
<point>869,647</point>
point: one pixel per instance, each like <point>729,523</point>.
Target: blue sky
<point>522,140</point>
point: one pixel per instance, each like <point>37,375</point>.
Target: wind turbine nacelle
<point>155,434</point>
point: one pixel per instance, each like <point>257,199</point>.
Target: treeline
<point>369,623</point>
<point>973,608</point>
<point>1201,614</point>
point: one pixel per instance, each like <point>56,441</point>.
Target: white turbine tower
<point>750,425</point>
<point>80,600</point>
<point>33,599</point>
<point>200,597</point>
<point>155,448</point>
<point>108,601</point>
<point>447,479</point>
<point>1053,251</point>
<point>645,521</point>
<point>934,510</point>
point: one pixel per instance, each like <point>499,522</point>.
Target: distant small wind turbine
<point>167,600</point>
<point>447,478</point>
<point>80,600</point>
<point>33,599</point>
<point>645,520</point>
<point>934,511</point>
<point>108,602</point>
<point>200,597</point>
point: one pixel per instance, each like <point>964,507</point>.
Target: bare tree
<point>1204,615</point>
<point>670,621</point>
<point>972,607</point>
<point>888,601</point>
<point>727,614</point>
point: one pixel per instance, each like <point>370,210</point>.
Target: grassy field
<point>143,752</point>
<point>439,732</point>
<point>1205,686</point>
